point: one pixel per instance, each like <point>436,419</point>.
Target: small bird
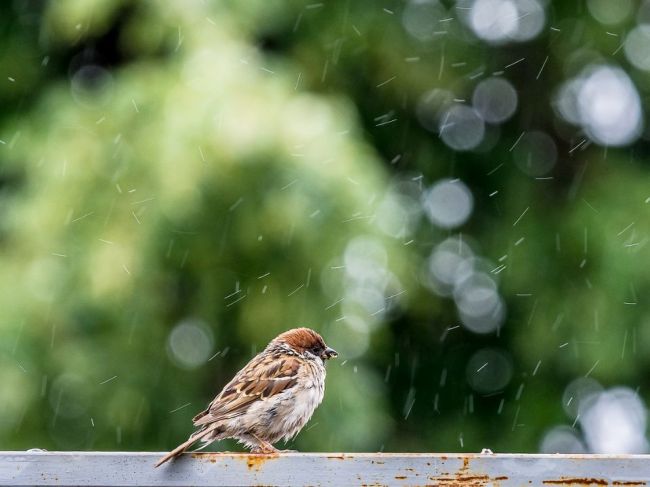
<point>270,399</point>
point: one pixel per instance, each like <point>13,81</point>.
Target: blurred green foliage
<point>217,164</point>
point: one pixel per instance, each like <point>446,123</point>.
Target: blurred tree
<point>174,212</point>
<point>179,183</point>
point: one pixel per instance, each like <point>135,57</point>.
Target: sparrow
<point>270,399</point>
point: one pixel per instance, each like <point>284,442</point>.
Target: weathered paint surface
<point>345,469</point>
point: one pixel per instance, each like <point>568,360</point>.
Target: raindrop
<point>190,344</point>
<point>448,203</point>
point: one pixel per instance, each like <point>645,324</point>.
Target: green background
<point>225,167</point>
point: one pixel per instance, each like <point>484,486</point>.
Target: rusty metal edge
<point>440,455</point>
<point>325,468</point>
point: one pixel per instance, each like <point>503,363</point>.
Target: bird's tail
<point>185,445</point>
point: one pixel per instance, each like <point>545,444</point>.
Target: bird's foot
<point>288,451</point>
<point>265,450</point>
<point>263,446</point>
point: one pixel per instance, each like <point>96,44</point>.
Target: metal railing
<point>296,469</point>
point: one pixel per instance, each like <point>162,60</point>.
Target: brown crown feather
<point>301,339</point>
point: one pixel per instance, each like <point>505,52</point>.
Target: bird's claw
<point>265,450</point>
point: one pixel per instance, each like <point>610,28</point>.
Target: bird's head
<point>306,342</point>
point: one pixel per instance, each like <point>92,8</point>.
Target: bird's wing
<point>261,378</point>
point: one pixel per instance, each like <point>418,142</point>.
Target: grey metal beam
<point>345,469</point>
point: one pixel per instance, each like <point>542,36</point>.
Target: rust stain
<point>465,477</point>
<point>576,481</point>
<point>255,461</point>
<point>465,480</point>
<point>210,457</point>
<point>400,477</point>
<point>473,478</point>
<point>628,482</point>
<point>337,457</point>
<point>461,483</point>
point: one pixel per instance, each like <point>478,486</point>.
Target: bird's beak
<point>329,353</point>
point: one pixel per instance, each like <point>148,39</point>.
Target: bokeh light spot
<point>494,20</point>
<point>614,422</point>
<point>535,154</point>
<point>421,18</point>
<point>445,265</point>
<point>190,344</point>
<point>610,12</point>
<point>461,127</point>
<point>562,439</point>
<point>605,102</point>
<point>91,86</point>
<point>448,203</point>
<point>576,393</point>
<point>636,47</point>
<point>495,99</point>
<point>489,370</point>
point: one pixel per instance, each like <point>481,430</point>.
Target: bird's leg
<point>262,446</point>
